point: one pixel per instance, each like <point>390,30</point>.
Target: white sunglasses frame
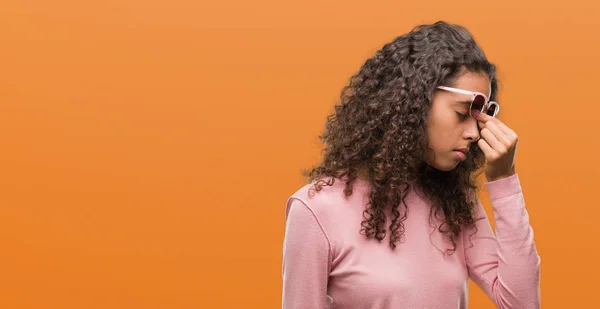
<point>487,104</point>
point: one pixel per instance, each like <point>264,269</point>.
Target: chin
<point>444,166</point>
<point>444,163</point>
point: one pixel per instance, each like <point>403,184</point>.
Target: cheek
<point>442,134</point>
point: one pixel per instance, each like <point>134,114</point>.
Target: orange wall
<point>147,147</point>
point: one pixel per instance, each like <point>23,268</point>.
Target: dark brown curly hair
<point>379,129</point>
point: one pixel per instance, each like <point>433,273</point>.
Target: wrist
<point>498,177</point>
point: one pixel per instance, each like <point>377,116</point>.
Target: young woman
<point>390,218</point>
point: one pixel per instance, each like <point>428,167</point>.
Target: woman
<point>390,217</point>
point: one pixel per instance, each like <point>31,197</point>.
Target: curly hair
<point>379,128</point>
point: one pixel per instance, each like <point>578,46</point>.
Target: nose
<point>472,130</point>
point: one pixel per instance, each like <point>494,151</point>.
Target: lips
<point>460,155</point>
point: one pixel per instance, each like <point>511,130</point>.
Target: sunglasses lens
<point>477,105</point>
<point>492,110</point>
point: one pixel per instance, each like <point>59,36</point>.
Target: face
<point>447,129</point>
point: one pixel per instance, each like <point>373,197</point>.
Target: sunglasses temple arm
<point>457,90</point>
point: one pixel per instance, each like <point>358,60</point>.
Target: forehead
<point>476,82</point>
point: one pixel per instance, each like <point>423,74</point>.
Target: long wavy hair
<point>379,128</point>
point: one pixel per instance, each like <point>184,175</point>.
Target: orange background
<point>148,147</point>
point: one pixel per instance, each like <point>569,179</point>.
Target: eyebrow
<point>464,102</point>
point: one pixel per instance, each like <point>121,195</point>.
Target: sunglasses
<point>479,102</point>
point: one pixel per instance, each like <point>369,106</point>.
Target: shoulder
<point>330,202</point>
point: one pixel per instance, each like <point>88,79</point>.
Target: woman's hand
<point>499,144</point>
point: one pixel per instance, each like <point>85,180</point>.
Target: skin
<point>448,131</point>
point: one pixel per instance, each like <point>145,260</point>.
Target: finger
<point>486,148</point>
<point>489,137</point>
<point>498,133</point>
<point>508,132</point>
<point>485,118</point>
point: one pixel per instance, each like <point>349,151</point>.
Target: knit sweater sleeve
<point>306,258</point>
<point>505,265</point>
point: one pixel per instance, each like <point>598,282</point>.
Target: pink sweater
<point>327,263</point>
